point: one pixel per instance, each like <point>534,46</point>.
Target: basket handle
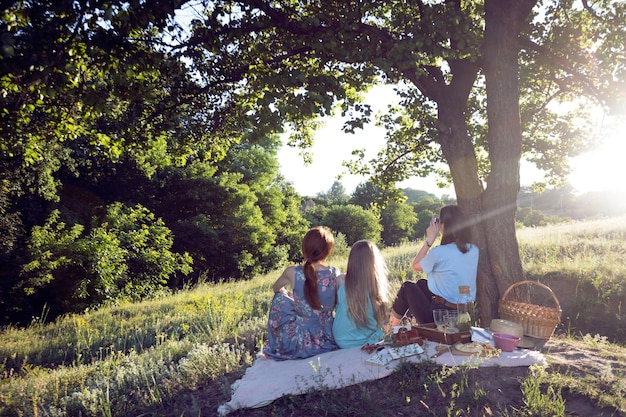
<point>545,287</point>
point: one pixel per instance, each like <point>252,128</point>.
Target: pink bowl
<point>506,342</point>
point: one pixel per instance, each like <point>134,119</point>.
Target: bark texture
<point>504,19</point>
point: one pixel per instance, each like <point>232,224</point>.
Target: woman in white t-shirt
<point>451,264</point>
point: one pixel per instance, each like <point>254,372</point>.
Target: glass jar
<point>466,309</point>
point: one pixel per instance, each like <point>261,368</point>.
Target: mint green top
<point>345,331</point>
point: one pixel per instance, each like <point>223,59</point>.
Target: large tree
<point>460,68</point>
<point>129,74</point>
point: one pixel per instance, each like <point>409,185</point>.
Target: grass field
<point>178,355</point>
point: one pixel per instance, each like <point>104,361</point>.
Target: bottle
<point>466,309</point>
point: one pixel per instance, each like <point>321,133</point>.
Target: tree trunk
<point>459,152</point>
<point>492,208</point>
<point>503,19</point>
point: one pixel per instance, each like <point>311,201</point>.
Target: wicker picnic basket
<point>538,321</point>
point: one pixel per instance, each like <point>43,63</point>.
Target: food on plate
<point>473,347</point>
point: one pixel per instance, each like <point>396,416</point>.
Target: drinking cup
<point>453,317</point>
<point>440,317</point>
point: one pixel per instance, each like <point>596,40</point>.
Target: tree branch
<point>563,64</point>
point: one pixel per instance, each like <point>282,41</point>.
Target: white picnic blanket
<point>267,379</point>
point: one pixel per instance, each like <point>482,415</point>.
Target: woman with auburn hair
<point>451,264</point>
<point>300,322</point>
<point>361,314</point>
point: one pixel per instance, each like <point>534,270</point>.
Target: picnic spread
<point>508,342</point>
<point>267,380</point>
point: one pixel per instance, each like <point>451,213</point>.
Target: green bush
<point>354,222</point>
<point>125,255</point>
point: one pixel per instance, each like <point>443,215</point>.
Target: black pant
<point>418,299</point>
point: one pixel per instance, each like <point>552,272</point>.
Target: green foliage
<point>422,198</point>
<point>398,222</point>
<point>277,200</point>
<point>223,227</point>
<point>366,195</point>
<point>46,245</point>
<point>354,222</point>
<point>341,249</point>
<point>147,244</point>
<point>123,255</point>
<point>236,218</point>
<point>336,195</point>
<point>10,222</point>
<point>370,195</point>
<point>396,218</point>
<point>548,402</point>
<point>76,77</point>
<point>87,89</point>
<point>531,218</point>
<point>235,222</point>
<point>316,214</point>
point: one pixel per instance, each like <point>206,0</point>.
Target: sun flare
<point>602,169</point>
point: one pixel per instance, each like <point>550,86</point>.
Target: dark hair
<point>317,245</point>
<point>457,228</point>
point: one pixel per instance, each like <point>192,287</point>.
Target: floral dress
<point>295,330</point>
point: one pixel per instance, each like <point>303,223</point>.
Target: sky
<point>595,170</point>
<point>332,147</point>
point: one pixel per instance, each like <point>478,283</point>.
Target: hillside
<point>179,354</point>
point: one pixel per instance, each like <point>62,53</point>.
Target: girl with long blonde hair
<point>361,313</point>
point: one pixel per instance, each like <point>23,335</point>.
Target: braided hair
<point>317,245</point>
